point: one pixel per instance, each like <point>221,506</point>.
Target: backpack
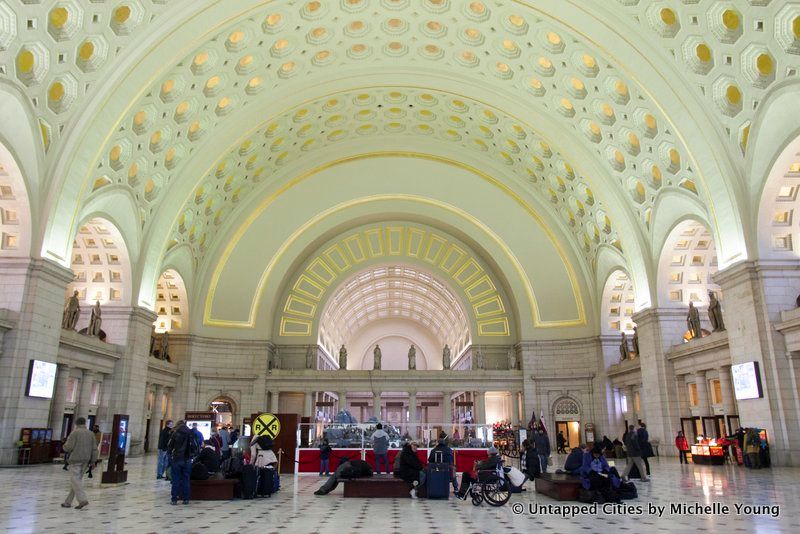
<point>182,445</point>
<point>199,472</point>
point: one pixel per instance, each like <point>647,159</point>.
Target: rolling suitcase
<point>438,478</point>
<point>266,482</point>
<point>249,482</point>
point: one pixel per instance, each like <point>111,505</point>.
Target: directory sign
<point>746,381</point>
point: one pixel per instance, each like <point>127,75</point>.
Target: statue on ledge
<point>412,358</point>
<point>624,352</point>
<point>163,351</point>
<point>512,359</point>
<point>715,313</point>
<point>446,358</point>
<point>376,354</point>
<point>635,341</point>
<point>310,356</point>
<point>693,322</point>
<point>72,312</point>
<point>477,359</point>
<point>153,340</point>
<point>342,358</point>
<point>95,321</point>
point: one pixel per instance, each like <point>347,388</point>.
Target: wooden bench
<point>560,486</point>
<point>379,486</point>
<point>212,489</point>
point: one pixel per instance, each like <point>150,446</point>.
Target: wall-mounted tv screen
<point>747,381</point>
<point>41,379</point>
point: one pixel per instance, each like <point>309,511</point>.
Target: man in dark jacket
<point>163,441</point>
<point>182,447</point>
<point>346,470</point>
<point>634,456</point>
<point>644,445</point>
<point>542,444</point>
<point>489,464</point>
<point>532,465</point>
<point>575,460</point>
<point>411,468</point>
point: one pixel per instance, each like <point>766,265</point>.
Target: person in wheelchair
<point>489,464</point>
<point>596,473</point>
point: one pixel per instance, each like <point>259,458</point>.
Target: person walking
<point>634,456</point>
<point>182,447</point>
<point>644,445</point>
<point>683,447</point>
<point>163,441</point>
<point>561,443</point>
<point>542,444</point>
<point>380,446</point>
<point>82,450</point>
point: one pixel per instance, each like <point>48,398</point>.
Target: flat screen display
<point>746,381</point>
<point>41,379</point>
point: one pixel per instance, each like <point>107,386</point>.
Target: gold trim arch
<point>401,243</point>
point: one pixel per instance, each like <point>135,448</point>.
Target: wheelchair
<point>492,486</point>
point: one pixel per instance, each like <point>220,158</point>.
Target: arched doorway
<point>225,410</point>
<point>567,417</point>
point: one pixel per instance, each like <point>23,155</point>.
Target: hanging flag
<point>541,423</point>
<point>532,422</point>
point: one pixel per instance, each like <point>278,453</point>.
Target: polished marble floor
<point>30,497</point>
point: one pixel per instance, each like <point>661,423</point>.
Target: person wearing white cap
<point>467,478</point>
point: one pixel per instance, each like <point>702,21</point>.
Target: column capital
<point>700,374</point>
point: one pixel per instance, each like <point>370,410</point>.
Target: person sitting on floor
<point>596,473</point>
<point>446,455</point>
<point>491,463</point>
<point>347,470</point>
<point>575,460</point>
<point>411,468</point>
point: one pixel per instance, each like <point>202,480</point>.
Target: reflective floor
<point>30,497</point>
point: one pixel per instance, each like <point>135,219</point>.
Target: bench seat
<point>378,486</point>
<point>559,486</point>
<point>212,489</point>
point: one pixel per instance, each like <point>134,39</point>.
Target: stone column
<point>36,289</point>
<point>308,402</point>
<point>753,295</point>
<point>703,400</point>
<point>156,414</point>
<point>274,400</point>
<point>515,408</point>
<point>412,414</point>
<point>376,404</point>
<point>168,393</point>
<point>130,371</point>
<point>85,396</point>
<point>480,407</point>
<point>342,401</point>
<point>59,398</point>
<point>684,408</point>
<point>104,416</point>
<point>630,398</point>
<point>447,411</point>
<point>725,386</point>
<point>659,329</point>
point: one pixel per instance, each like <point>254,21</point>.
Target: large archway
<point>395,306</point>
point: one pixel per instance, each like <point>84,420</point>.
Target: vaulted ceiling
<point>174,119</point>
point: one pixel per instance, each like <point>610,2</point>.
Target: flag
<point>541,423</point>
<point>533,424</point>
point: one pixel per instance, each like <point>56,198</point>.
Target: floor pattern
<point>30,497</point>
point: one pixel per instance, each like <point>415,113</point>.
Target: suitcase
<point>266,482</point>
<point>438,480</point>
<point>249,481</point>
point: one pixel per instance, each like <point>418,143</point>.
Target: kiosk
<point>115,472</point>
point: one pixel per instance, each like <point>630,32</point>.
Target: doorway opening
<point>571,431</point>
<point>224,410</point>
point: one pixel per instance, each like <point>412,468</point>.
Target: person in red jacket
<point>683,446</point>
